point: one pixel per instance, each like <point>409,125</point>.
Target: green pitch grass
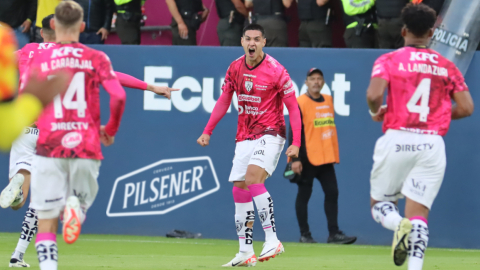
<point>139,252</point>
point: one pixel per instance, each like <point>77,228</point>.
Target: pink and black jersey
<point>260,91</point>
<point>421,83</point>
<point>27,52</point>
<point>70,125</point>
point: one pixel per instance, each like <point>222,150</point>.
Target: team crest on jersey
<point>248,85</point>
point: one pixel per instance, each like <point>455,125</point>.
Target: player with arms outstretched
<point>23,149</point>
<point>262,86</point>
<point>68,153</point>
<point>409,160</point>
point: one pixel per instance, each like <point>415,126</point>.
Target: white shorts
<point>55,179</point>
<point>22,152</point>
<point>408,164</point>
<point>263,152</point>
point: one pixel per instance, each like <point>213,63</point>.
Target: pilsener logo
<point>162,187</point>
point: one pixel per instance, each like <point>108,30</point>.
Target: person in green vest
<point>129,15</point>
<point>360,21</point>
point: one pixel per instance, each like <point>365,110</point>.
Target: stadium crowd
<point>366,23</point>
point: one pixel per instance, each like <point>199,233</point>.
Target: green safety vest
<point>356,7</point>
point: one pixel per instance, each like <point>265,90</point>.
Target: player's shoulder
<point>441,60</point>
<point>272,63</point>
<point>238,61</point>
<point>30,46</point>
<point>386,57</point>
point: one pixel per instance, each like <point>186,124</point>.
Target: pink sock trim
<point>46,237</point>
<point>241,195</point>
<point>257,189</point>
<point>419,218</point>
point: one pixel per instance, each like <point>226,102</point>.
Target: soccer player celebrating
<point>23,149</point>
<point>262,86</point>
<point>68,153</point>
<point>409,160</point>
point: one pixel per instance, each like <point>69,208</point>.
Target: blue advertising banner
<point>156,178</point>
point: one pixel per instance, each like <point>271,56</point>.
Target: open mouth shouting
<point>251,52</point>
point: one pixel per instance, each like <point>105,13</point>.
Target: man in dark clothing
<point>232,15</point>
<point>360,21</point>
<point>317,156</point>
<point>19,15</point>
<point>389,23</point>
<point>187,16</point>
<point>98,20</point>
<point>315,30</point>
<point>271,15</point>
<point>435,4</point>
<point>129,15</point>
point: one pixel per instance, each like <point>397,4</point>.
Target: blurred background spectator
<point>316,159</point>
<point>232,14</point>
<point>315,30</point>
<point>127,24</point>
<point>435,4</point>
<point>271,15</point>
<point>360,22</point>
<point>97,16</point>
<point>19,15</point>
<point>44,8</point>
<point>389,23</point>
<point>187,16</point>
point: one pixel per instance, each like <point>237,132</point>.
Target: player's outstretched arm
<point>375,93</point>
<point>464,105</point>
<point>117,105</point>
<point>296,124</point>
<point>132,82</point>
<point>219,111</point>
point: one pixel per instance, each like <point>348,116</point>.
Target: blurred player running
<point>262,86</point>
<point>68,153</point>
<point>23,149</point>
<point>409,160</point>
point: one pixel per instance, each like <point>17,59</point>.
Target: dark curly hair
<point>418,18</point>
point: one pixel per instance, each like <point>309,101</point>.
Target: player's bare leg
<point>388,215</point>
<point>244,218</point>
<point>418,239</point>
<point>46,242</point>
<point>255,181</point>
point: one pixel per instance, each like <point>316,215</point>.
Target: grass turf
<point>140,252</point>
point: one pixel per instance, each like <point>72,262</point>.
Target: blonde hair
<point>68,13</point>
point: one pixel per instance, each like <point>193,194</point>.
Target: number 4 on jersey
<point>77,86</point>
<point>422,93</point>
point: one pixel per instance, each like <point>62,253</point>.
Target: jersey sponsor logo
<point>45,45</point>
<point>420,131</point>
<point>162,187</point>
<point>67,51</point>
<point>248,85</point>
<point>451,39</point>
<point>32,131</point>
<point>261,87</point>
<point>69,126</point>
<point>413,147</point>
<point>249,98</point>
<point>322,107</point>
<point>327,134</point>
<point>324,122</point>
<point>259,152</point>
<point>423,56</point>
<point>72,139</point>
<point>323,115</point>
<point>250,110</point>
<point>249,75</point>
